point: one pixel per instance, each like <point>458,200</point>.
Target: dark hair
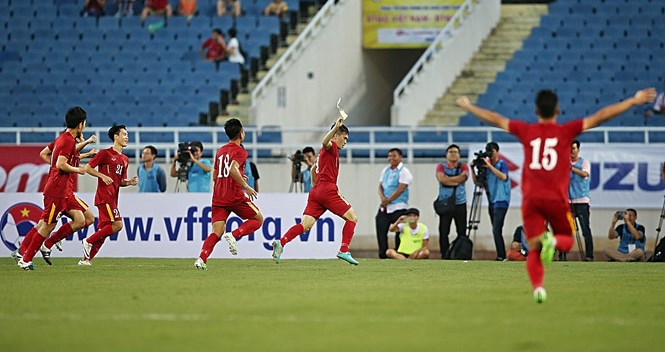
<point>75,116</point>
<point>399,151</point>
<point>153,150</point>
<point>633,210</point>
<point>452,146</point>
<point>576,143</point>
<point>232,32</point>
<point>232,128</point>
<point>546,102</point>
<point>218,31</point>
<point>197,144</point>
<point>308,149</point>
<point>115,129</point>
<point>492,145</point>
<point>341,129</point>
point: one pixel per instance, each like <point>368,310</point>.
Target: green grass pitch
<point>328,305</point>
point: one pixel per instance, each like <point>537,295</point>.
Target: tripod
<point>183,175</point>
<point>577,231</point>
<point>660,225</point>
<point>297,185</point>
<point>474,213</point>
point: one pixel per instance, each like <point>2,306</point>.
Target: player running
<point>56,189</point>
<point>325,195</point>
<point>111,172</point>
<point>228,196</point>
<point>546,173</point>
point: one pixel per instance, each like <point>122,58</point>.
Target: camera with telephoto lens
<point>481,167</point>
<point>296,163</point>
<point>183,157</point>
<point>620,214</point>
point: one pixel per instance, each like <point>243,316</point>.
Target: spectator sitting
<point>152,177</point>
<point>658,107</point>
<point>230,6</point>
<point>93,8</point>
<point>276,8</point>
<point>187,8</point>
<point>233,48</point>
<point>156,8</point>
<point>631,235</point>
<point>518,248</point>
<point>125,8</point>
<point>414,238</point>
<point>214,48</point>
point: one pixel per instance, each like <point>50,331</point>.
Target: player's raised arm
<point>326,142</point>
<point>91,139</point>
<point>610,111</point>
<point>240,179</point>
<point>488,116</point>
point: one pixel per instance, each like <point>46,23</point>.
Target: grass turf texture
<point>328,305</point>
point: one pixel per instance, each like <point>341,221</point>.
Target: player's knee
<point>117,226</point>
<point>78,222</point>
<point>89,218</point>
<point>259,218</point>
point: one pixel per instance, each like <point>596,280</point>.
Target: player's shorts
<point>108,213</point>
<point>245,210</point>
<point>537,212</point>
<point>325,196</point>
<point>53,207</point>
<point>75,203</point>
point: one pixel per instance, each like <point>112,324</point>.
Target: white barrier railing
<point>438,67</point>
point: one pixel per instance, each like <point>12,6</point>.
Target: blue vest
<point>628,238</point>
<point>499,190</point>
<point>248,173</point>
<point>446,192</point>
<point>579,186</point>
<point>198,181</point>
<point>307,180</point>
<point>390,182</point>
<point>148,179</point>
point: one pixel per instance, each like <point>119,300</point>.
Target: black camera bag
<point>659,252</point>
<point>461,249</point>
<point>446,206</point>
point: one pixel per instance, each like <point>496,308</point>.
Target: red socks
<point>102,233</point>
<point>96,247</point>
<point>347,235</point>
<point>294,231</point>
<point>26,240</point>
<point>564,242</point>
<point>208,246</point>
<point>35,243</point>
<point>64,231</point>
<point>246,228</point>
<point>535,268</point>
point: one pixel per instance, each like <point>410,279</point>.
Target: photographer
<point>631,235</point>
<point>497,186</point>
<point>308,177</point>
<point>192,168</point>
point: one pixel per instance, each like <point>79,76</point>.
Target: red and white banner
<point>21,169</point>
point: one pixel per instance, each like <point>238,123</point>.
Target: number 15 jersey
<point>226,191</point>
<point>546,168</point>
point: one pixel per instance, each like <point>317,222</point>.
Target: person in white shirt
<point>233,48</point>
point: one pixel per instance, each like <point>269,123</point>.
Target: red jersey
<point>215,50</point>
<point>75,162</point>
<point>114,165</point>
<point>57,184</point>
<point>226,191</point>
<point>546,169</point>
<point>157,4</point>
<point>327,165</point>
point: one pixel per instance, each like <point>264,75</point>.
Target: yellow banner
<point>405,23</point>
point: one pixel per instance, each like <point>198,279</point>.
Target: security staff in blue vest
<point>578,190</point>
<point>152,177</point>
<point>414,237</point>
<point>198,173</point>
<point>498,189</point>
<point>308,177</point>
<point>394,195</point>
<point>632,237</point>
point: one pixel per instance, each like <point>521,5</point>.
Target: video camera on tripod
<point>479,164</point>
<point>296,165</point>
<point>183,157</point>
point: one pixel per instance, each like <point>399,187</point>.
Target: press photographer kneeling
<point>191,167</point>
<point>631,237</point>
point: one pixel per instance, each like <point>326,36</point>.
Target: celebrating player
<point>228,196</point>
<point>111,172</point>
<point>546,173</point>
<point>325,195</point>
<point>56,189</point>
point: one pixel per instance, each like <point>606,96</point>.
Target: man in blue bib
<point>631,236</point>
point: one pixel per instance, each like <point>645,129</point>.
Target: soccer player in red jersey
<point>56,189</point>
<point>77,210</point>
<point>111,172</point>
<point>325,195</point>
<point>228,196</point>
<point>546,173</point>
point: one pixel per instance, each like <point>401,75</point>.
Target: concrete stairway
<point>514,26</point>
